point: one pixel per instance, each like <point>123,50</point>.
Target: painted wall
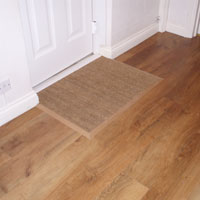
<point>13,64</point>
<point>182,17</point>
<point>129,22</point>
<point>131,16</point>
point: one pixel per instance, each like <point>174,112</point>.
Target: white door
<point>58,33</point>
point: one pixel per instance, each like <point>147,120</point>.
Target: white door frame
<point>100,16</point>
<point>197,23</point>
<point>188,30</point>
<point>195,16</point>
<point>163,12</point>
<point>194,19</point>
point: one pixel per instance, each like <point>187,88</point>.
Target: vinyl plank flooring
<point>124,188</point>
<point>30,147</point>
<point>151,151</point>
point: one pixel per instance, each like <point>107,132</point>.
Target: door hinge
<point>94,27</point>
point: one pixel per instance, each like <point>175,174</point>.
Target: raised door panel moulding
<point>75,20</point>
<point>42,27</point>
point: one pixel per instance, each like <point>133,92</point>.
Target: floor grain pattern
<point>150,152</point>
<point>124,188</point>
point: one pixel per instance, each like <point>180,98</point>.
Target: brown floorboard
<point>149,152</point>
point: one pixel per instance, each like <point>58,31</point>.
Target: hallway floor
<point>150,152</point>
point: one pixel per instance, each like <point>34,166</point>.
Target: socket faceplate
<point>5,86</point>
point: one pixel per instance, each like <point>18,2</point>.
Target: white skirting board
<point>130,42</point>
<point>19,107</point>
<point>178,30</point>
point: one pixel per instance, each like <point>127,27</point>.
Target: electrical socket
<point>5,86</point>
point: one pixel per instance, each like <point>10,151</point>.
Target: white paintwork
<point>2,101</point>
<point>100,16</point>
<point>197,23</point>
<point>128,43</point>
<point>65,72</point>
<point>57,33</point>
<point>132,16</point>
<point>5,86</point>
<point>182,17</point>
<point>129,22</point>
<point>13,63</point>
<point>18,107</point>
<point>109,22</point>
<point>199,29</point>
<point>163,13</point>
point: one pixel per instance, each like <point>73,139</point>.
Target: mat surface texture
<point>89,98</point>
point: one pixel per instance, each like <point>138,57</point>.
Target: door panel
<point>75,20</point>
<point>58,33</point>
<point>42,27</point>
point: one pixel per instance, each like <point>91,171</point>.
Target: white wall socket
<point>5,86</point>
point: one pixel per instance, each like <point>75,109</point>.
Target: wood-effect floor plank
<point>153,147</point>
<point>124,188</point>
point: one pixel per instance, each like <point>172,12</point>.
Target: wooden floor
<point>150,152</point>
